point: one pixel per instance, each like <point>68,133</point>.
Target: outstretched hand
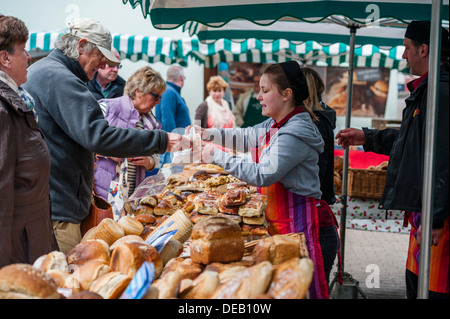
<point>350,136</point>
<point>177,142</point>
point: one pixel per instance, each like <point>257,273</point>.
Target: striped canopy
<point>169,51</point>
<point>169,14</point>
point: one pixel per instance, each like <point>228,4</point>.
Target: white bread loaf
<point>276,249</point>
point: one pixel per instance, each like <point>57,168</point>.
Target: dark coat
<point>406,149</point>
<point>25,225</point>
<point>116,90</point>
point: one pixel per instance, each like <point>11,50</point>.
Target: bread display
<point>216,239</point>
<point>23,281</point>
<point>221,248</point>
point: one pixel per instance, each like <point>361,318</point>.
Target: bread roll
<point>187,268</point>
<point>152,293</point>
<point>130,225</point>
<point>247,284</point>
<point>111,285</point>
<point>203,286</point>
<point>96,249</point>
<point>53,260</point>
<point>149,200</point>
<point>126,239</point>
<point>168,285</point>
<point>23,281</point>
<point>172,249</point>
<point>216,239</point>
<point>291,279</point>
<point>89,272</point>
<point>85,295</point>
<point>206,203</point>
<point>145,219</point>
<point>64,279</point>
<point>108,230</point>
<point>127,258</point>
<point>276,249</point>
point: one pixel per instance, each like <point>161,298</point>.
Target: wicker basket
<point>366,183</point>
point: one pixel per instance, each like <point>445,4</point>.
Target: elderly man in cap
<point>405,147</point>
<point>74,127</point>
<point>107,83</point>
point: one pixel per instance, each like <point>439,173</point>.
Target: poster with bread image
<point>370,90</point>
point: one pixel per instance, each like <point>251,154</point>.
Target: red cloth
<point>361,159</point>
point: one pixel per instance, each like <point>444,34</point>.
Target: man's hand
<point>350,136</point>
<point>177,142</point>
<point>204,154</point>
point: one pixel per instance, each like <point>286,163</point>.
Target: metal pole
<point>343,219</point>
<point>428,182</point>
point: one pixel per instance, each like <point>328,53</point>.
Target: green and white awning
<point>309,52</point>
<point>169,14</point>
<point>133,47</point>
<point>169,51</point>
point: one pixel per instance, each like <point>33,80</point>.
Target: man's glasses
<point>156,96</point>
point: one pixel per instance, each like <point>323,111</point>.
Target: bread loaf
<point>203,286</point>
<point>23,281</point>
<point>172,249</point>
<point>216,239</point>
<point>126,239</point>
<point>111,285</point>
<point>168,285</point>
<point>187,268</point>
<point>291,279</point>
<point>246,284</point>
<point>96,249</point>
<point>131,226</point>
<point>276,249</point>
<point>85,295</point>
<point>63,279</point>
<point>89,272</point>
<point>52,260</point>
<point>108,230</point>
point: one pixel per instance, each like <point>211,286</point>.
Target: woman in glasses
<point>132,110</point>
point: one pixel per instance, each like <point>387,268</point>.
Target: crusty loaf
<point>131,226</point>
<point>276,249</point>
<point>216,239</point>
<point>247,284</point>
<point>203,286</point>
<point>23,281</point>
<point>108,229</point>
<point>111,285</point>
<point>184,266</point>
<point>64,279</point>
<point>291,279</point>
<point>96,249</point>
<point>168,285</point>
<point>126,239</point>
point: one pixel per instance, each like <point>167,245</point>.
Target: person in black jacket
<point>405,147</point>
<point>326,123</point>
<point>107,83</point>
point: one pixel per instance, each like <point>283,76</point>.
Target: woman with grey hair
<point>132,110</point>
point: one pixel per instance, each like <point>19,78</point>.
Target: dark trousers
<point>412,285</point>
<point>329,243</point>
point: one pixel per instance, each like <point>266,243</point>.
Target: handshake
<point>190,147</point>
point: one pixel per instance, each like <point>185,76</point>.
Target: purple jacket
<point>120,112</point>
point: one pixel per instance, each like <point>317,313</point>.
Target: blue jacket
<point>74,129</point>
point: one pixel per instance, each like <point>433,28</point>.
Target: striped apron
<point>288,212</point>
<point>439,256</point>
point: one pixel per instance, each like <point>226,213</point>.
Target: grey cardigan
<point>291,157</point>
<point>74,129</point>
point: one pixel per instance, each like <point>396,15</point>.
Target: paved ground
<point>376,260</point>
